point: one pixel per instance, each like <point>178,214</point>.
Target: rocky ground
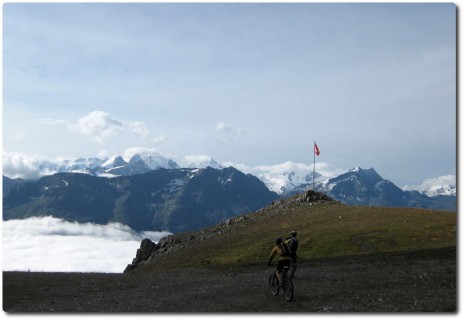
<point>409,282</point>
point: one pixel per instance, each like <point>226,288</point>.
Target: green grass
<point>328,230</point>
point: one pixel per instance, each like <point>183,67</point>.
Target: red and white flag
<point>316,149</point>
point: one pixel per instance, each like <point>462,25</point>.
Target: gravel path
<point>412,282</point>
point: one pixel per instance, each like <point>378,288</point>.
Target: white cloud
<point>100,126</point>
<point>239,166</point>
<point>130,152</point>
<point>18,136</point>
<point>140,129</point>
<point>102,154</point>
<point>51,121</point>
<point>228,128</point>
<point>97,126</point>
<point>228,132</point>
<point>52,244</point>
<point>199,161</point>
<point>448,179</point>
<point>159,139</point>
<point>17,165</point>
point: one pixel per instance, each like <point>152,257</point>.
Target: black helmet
<point>278,241</point>
<point>293,233</point>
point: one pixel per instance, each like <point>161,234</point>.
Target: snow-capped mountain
<point>137,164</point>
<point>23,167</point>
<point>80,165</point>
<point>364,186</point>
<point>144,162</point>
<point>152,159</point>
<point>441,186</point>
<point>290,178</point>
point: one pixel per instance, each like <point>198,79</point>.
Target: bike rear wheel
<point>274,284</point>
<point>288,289</point>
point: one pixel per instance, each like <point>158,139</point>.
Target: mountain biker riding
<point>292,244</point>
<point>283,260</point>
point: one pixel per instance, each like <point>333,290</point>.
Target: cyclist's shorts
<point>282,263</point>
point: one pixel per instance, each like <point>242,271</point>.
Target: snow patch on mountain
<point>356,170</point>
<point>224,181</point>
<point>175,185</point>
<point>379,185</point>
<point>113,162</point>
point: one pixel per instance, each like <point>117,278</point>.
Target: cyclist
<point>292,244</point>
<point>283,260</point>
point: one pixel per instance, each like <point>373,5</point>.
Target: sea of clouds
<point>54,245</point>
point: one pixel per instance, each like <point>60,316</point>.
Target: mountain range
<point>164,199</point>
<point>366,187</point>
<point>285,179</point>
<point>154,193</point>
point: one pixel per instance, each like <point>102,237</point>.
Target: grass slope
<point>325,229</point>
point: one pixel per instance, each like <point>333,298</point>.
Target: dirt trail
<point>410,282</point>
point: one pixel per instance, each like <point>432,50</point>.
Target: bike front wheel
<point>274,284</point>
<point>288,289</point>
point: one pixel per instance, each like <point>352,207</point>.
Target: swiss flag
<point>316,149</point>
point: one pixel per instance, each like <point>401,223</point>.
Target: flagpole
<point>314,163</point>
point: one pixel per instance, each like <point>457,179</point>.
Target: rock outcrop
<point>313,196</point>
<point>143,253</point>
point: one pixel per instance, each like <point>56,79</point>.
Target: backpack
<point>285,250</point>
<point>293,245</point>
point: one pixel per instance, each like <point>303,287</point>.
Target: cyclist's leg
<point>293,265</point>
<point>280,268</point>
<point>285,265</point>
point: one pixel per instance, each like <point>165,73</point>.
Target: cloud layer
<point>51,244</point>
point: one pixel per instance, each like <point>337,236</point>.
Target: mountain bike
<point>287,284</point>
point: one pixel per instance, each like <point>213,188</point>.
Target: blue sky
<point>255,84</point>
